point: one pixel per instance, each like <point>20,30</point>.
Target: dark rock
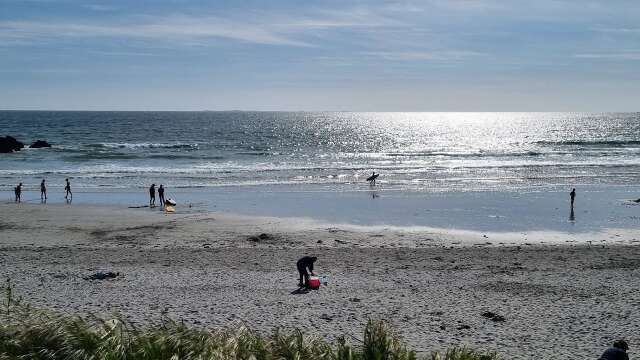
<point>326,317</point>
<point>9,144</point>
<point>492,316</point>
<point>39,144</point>
<point>355,300</point>
<point>102,276</point>
<point>464,327</point>
<point>261,237</point>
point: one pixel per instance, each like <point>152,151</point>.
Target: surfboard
<point>373,177</point>
<point>170,202</point>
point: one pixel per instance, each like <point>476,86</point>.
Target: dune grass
<point>27,333</point>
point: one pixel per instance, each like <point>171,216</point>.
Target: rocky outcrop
<point>9,144</point>
<point>39,144</point>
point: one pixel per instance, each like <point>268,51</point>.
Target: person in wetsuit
<point>617,352</point>
<point>152,195</point>
<point>572,194</point>
<point>18,191</point>
<point>303,264</point>
<point>43,191</point>
<point>67,189</point>
<point>161,195</point>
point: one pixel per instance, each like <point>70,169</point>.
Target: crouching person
<point>304,264</point>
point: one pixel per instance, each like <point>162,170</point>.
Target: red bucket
<point>314,283</point>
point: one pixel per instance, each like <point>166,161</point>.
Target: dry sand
<point>567,298</point>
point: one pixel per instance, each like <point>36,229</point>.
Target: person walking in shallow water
<point>152,195</point>
<point>67,190</point>
<point>43,191</point>
<point>18,192</point>
<point>161,195</point>
<point>572,194</point>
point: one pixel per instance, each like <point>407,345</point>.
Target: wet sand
<point>566,298</point>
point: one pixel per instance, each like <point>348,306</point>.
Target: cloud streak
<point>633,55</point>
<point>436,56</point>
<point>198,30</point>
<point>191,30</point>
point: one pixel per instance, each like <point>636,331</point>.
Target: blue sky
<point>429,55</point>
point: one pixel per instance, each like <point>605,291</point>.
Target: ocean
<point>501,172</point>
<point>333,151</point>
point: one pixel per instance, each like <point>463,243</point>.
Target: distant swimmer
<point>18,192</point>
<point>161,195</point>
<point>372,178</point>
<point>152,195</point>
<point>573,196</point>
<point>67,190</point>
<point>43,191</point>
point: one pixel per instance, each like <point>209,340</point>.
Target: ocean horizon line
<point>333,111</point>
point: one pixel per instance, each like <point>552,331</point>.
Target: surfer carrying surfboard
<point>372,179</point>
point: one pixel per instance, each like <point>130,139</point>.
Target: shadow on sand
<point>300,290</point>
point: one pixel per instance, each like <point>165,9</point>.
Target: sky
<point>405,55</point>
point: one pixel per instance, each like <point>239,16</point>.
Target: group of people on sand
<point>43,191</point>
<point>152,195</point>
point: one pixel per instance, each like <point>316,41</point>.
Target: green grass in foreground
<point>27,333</point>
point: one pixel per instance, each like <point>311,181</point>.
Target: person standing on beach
<point>573,196</point>
<point>617,352</point>
<point>18,192</point>
<point>303,264</point>
<point>161,195</point>
<point>67,189</point>
<point>43,191</point>
<point>152,195</point>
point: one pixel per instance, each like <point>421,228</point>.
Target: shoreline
<point>211,270</point>
<point>597,208</point>
<point>192,224</point>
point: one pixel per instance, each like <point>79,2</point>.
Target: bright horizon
<point>407,56</point>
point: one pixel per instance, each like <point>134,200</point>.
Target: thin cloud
<point>100,7</point>
<point>199,30</point>
<point>444,55</point>
<point>191,30</point>
<point>618,30</point>
<point>610,56</point>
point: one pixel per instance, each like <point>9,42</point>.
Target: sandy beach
<point>566,298</point>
